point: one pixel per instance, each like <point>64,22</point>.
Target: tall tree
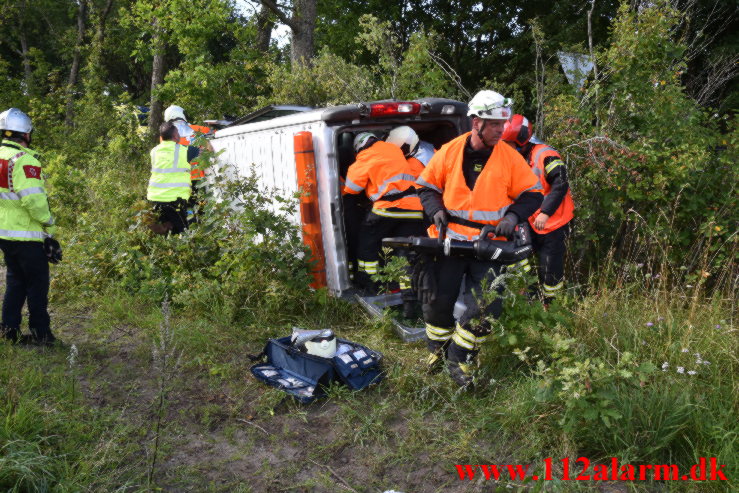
<point>302,24</point>
<point>75,69</point>
<point>265,24</point>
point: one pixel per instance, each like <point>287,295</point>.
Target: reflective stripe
<point>169,170</point>
<point>537,186</point>
<point>553,164</point>
<point>438,333</point>
<point>23,234</point>
<point>368,266</point>
<point>50,222</point>
<point>538,153</point>
<point>11,165</point>
<point>399,214</point>
<point>168,185</point>
<point>405,282</point>
<point>464,214</point>
<point>31,191</point>
<point>353,186</point>
<point>489,215</point>
<point>385,184</point>
<point>459,341</point>
<point>424,183</point>
<point>9,196</point>
<point>480,215</point>
<point>467,339</point>
<point>392,193</point>
<point>176,155</point>
<point>553,289</point>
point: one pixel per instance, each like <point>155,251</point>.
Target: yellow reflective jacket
<point>24,206</point>
<point>170,173</point>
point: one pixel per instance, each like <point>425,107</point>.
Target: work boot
<point>461,363</point>
<point>461,374</point>
<point>437,352</point>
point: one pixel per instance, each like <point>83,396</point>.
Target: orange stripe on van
<point>305,166</point>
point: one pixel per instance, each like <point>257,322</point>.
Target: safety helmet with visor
<point>517,131</point>
<point>490,105</point>
<point>404,137</point>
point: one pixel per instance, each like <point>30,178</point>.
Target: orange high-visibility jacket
<point>565,211</point>
<point>503,179</point>
<point>195,172</point>
<point>382,171</point>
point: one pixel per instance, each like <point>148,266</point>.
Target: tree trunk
<point>304,24</point>
<point>100,32</point>
<point>75,70</point>
<point>265,25</point>
<point>27,70</point>
<point>157,78</point>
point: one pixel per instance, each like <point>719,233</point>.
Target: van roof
<point>350,112</point>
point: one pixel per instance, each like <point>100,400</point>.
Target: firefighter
<point>188,133</point>
<point>383,174</point>
<point>26,226</point>
<point>473,181</point>
<point>169,186</point>
<point>551,223</point>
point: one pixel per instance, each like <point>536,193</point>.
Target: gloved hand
<point>53,250</point>
<point>441,219</point>
<point>423,279</point>
<point>506,225</point>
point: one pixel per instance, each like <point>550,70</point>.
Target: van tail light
<point>310,217</point>
<point>393,109</point>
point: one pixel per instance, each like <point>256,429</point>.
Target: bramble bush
<point>650,170</point>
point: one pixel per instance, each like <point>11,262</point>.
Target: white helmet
<point>489,105</point>
<point>405,138</point>
<point>362,139</point>
<point>173,113</point>
<point>15,120</point>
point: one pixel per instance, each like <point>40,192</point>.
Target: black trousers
<point>473,328</point>
<point>371,232</point>
<point>27,280</point>
<point>173,212</point>
<point>550,250</point>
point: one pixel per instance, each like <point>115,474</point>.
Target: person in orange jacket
<point>382,173</point>
<point>472,182</point>
<point>551,223</point>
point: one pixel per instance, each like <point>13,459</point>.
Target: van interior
<point>437,133</point>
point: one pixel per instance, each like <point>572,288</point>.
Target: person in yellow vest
<point>551,223</point>
<point>472,182</point>
<point>26,226</point>
<point>188,133</point>
<point>169,185</point>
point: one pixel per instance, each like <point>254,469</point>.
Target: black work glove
<point>506,225</point>
<point>441,219</point>
<point>423,279</point>
<point>53,250</point>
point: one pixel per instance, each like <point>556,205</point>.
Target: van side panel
<point>269,151</point>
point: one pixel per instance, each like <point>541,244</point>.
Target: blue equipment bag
<point>304,376</point>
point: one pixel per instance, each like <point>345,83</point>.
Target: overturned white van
<point>311,151</point>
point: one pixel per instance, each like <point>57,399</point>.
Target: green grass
<point>223,431</point>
